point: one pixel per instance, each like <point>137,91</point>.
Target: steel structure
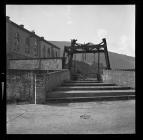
<point>75,48</point>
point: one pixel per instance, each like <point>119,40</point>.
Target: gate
<point>75,48</point>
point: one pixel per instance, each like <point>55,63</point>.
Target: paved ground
<point>72,118</point>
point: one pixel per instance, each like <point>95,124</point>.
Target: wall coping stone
<point>60,71</point>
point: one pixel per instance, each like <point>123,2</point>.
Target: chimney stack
<point>21,25</point>
<point>42,37</point>
<point>33,31</point>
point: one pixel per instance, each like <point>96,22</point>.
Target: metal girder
<point>85,48</point>
<point>92,51</point>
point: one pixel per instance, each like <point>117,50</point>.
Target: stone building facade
<point>22,43</point>
<point>30,58</point>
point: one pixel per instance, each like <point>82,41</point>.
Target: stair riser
<point>115,98</point>
<point>105,88</point>
<point>84,82</point>
<point>60,95</point>
<point>87,84</point>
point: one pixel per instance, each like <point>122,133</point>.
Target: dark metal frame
<point>85,48</point>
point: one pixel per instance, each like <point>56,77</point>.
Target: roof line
<point>32,33</point>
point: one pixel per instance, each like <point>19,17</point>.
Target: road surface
<point>108,117</point>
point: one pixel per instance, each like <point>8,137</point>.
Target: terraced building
<point>24,44</point>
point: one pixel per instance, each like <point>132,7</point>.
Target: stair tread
<point>88,83</point>
<point>89,97</point>
<point>71,87</point>
<point>84,81</point>
<point>93,91</point>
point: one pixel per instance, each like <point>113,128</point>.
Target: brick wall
<point>19,86</point>
<point>43,64</point>
<point>55,79</point>
<point>46,82</point>
<point>119,77</point>
<point>41,86</point>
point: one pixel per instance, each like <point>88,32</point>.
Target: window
<point>35,46</point>
<point>44,52</point>
<point>27,43</point>
<point>49,52</point>
<point>52,52</point>
<point>56,54</point>
<point>35,42</point>
<point>17,41</point>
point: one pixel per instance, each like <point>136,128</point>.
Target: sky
<point>86,23</point>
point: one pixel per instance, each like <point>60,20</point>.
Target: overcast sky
<point>86,23</point>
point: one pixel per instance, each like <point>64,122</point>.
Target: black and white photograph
<point>70,69</point>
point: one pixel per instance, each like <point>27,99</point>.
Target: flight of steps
<point>90,89</point>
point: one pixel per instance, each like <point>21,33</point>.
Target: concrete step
<point>93,98</point>
<point>89,79</point>
<point>87,84</point>
<point>68,88</point>
<point>89,93</point>
<point>84,81</point>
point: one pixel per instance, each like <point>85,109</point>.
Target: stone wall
<point>51,64</point>
<point>43,64</point>
<point>119,77</point>
<point>46,82</point>
<point>22,85</point>
<point>40,86</point>
<point>55,79</point>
